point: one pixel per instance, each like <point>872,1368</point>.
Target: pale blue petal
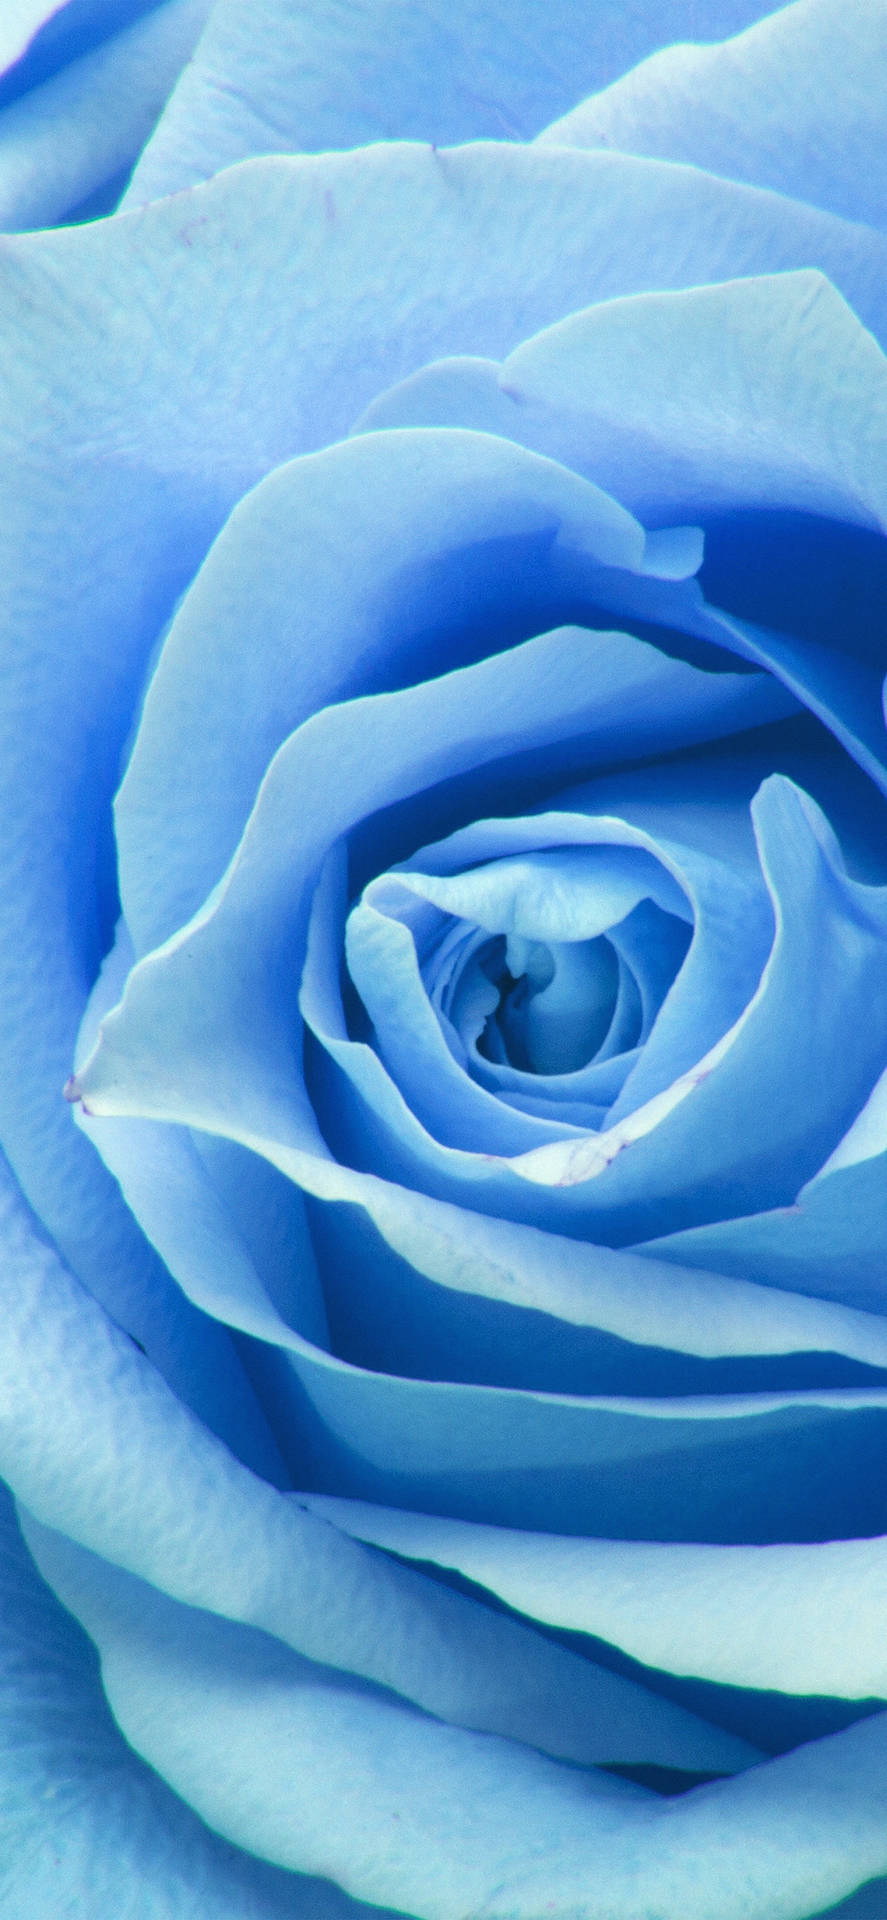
<point>466,541</point>
<point>718,978</point>
<point>94,1442</point>
<point>435,1296</point>
<point>793,1619</point>
<point>560,1315</point>
<point>22,22</point>
<point>789,103</point>
<point>62,140</point>
<point>87,1828</point>
<point>409,1041</point>
<point>272,78</point>
<point>230,1229</point>
<point>762,393</point>
<point>189,430</point>
<point>39,37</point>
<point>561,686</point>
<point>829,1241</point>
<point>309,1770</point>
<point>609,1322</point>
<point>788,1466</point>
<point>760,1113</point>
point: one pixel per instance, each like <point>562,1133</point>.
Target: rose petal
<point>317,1774</point>
<point>85,1824</point>
<point>536,696</point>
<point>799,1619</point>
<point>787,104</point>
<point>829,1241</point>
<point>85,124</point>
<point>127,1469</point>
<point>420,582</point>
<point>648,395</point>
<point>271,79</point>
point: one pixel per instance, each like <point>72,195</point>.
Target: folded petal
<point>649,394</point>
<point>87,1828</point>
<point>127,1469</point>
<point>799,1619</point>
<point>310,1770</point>
<point>389,559</point>
<point>787,104</point>
<point>268,78</point>
<point>86,124</point>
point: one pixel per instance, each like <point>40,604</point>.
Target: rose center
<point>553,1003</point>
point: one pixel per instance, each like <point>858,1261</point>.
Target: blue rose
<point>444,1368</point>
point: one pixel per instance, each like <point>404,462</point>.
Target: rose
<point>480,1326</point>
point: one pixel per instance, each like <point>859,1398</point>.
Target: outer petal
<point>124,1466</point>
<point>788,104</point>
<point>86,1828</point>
<point>84,126</point>
<point>799,1619</point>
<point>758,393</point>
<point>790,1465</point>
<point>272,78</point>
<point>439,1821</point>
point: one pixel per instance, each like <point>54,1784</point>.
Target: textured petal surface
<point>721,398</point>
<point>796,1619</point>
<point>271,78</point>
<point>788,104</point>
<point>61,141</point>
<point>421,510</point>
<point>318,1775</point>
<point>86,1827</point>
<point>119,1444</point>
<point>151,438</point>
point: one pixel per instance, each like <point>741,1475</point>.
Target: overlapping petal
<point>396,1808</point>
<point>786,104</point>
<point>62,141</point>
<point>371,1265</point>
<point>270,78</point>
<point>85,1824</point>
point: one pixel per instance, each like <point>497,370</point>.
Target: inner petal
<point>555,1002</point>
<point>538,974</point>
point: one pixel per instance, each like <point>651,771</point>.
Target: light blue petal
<point>134,481</point>
<point>765,1106</point>
<point>94,1442</point>
<point>62,140</point>
<point>788,1466</point>
<point>39,37</point>
<point>270,78</point>
<point>309,1770</point>
<point>788,104</point>
<point>230,1229</point>
<point>762,393</point>
<point>560,686</point>
<point>453,538</point>
<point>829,1242</point>
<point>799,1619</point>
<point>561,1316</point>
<point>408,1037</point>
<point>554,895</point>
<point>435,1295</point>
<point>86,1827</point>
<point>718,978</point>
<point>22,21</point>
<point>642,396</point>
